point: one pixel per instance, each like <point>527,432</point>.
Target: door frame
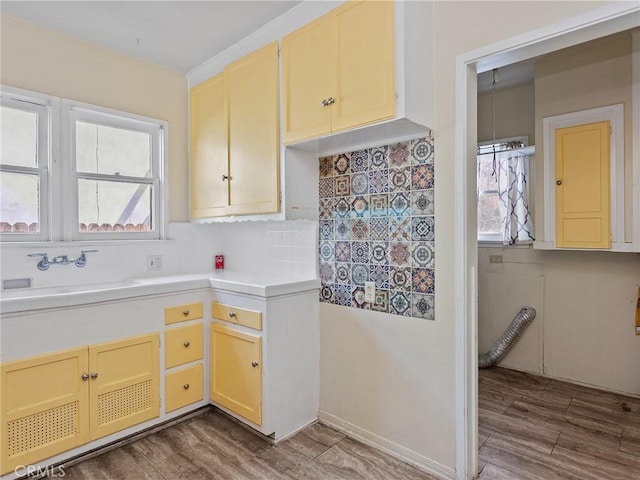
<point>600,22</point>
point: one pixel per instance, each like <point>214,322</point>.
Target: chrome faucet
<point>45,263</point>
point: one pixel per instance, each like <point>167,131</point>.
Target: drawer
<point>239,316</point>
<point>182,345</point>
<point>183,387</point>
<point>182,313</point>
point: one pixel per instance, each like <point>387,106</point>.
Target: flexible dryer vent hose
<point>508,339</point>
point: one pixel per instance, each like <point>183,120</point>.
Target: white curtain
<point>513,185</point>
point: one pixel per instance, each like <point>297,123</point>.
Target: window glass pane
<point>486,181</point>
<point>19,137</point>
<point>112,151</point>
<point>19,203</point>
<point>489,218</point>
<point>113,206</point>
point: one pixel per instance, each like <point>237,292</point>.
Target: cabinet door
<point>251,86</point>
<point>208,149</point>
<point>308,78</point>
<point>582,186</point>
<point>44,407</point>
<point>366,64</point>
<point>125,391</point>
<point>236,372</point>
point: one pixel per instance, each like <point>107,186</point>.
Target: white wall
<point>514,113</point>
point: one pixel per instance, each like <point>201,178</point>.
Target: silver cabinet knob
<point>232,314</point>
<point>325,103</point>
<point>94,375</point>
<point>558,182</point>
<point>84,377</point>
<point>185,312</point>
<point>254,364</point>
<point>225,177</point>
<point>331,101</point>
<point>186,344</point>
<point>185,386</point>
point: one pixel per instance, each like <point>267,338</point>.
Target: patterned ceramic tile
<point>343,251</point>
<point>381,303</point>
<point>326,230</point>
<point>422,280</point>
<point>326,187</point>
<point>398,154</point>
<point>422,177</point>
<point>400,278</point>
<point>422,202</point>
<point>359,229</point>
<point>359,274</point>
<point>423,306</point>
<point>423,229</point>
<point>342,295</point>
<point>380,275</point>
<point>359,206</point>
<point>380,252</point>
<point>379,157</point>
<point>357,298</point>
<point>327,272</point>
<point>400,179</point>
<point>326,251</point>
<point>360,252</point>
<point>379,229</point>
<point>399,253</point>
<point>326,167</point>
<point>360,183</point>
<point>342,185</point>
<point>327,206</point>
<point>342,229</point>
<point>326,294</point>
<point>379,205</point>
<point>341,164</point>
<point>400,229</point>
<point>343,273</point>
<point>342,207</point>
<point>421,151</point>
<point>399,204</point>
<point>423,254</point>
<point>400,303</point>
<point>360,161</point>
<point>379,181</point>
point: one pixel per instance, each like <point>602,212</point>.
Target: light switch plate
<point>370,292</point>
<point>154,263</point>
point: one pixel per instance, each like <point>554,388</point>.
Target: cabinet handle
<point>232,314</point>
<point>331,101</point>
<point>254,364</point>
<point>84,377</point>
<point>186,344</point>
<point>185,312</point>
<point>185,386</point>
<point>225,177</point>
<point>94,375</point>
<point>558,182</point>
<point>325,103</point>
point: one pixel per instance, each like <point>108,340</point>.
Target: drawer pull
<point>185,386</point>
<point>254,364</point>
<point>185,312</point>
<point>186,344</point>
<point>84,377</point>
<point>232,314</point>
<point>94,375</point>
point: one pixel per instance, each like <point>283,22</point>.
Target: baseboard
<point>398,451</point>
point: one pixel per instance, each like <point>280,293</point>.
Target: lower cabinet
<point>82,394</point>
<point>236,371</point>
<point>183,387</point>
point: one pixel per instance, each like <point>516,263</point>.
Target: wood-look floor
<point>213,446</point>
<point>536,428</point>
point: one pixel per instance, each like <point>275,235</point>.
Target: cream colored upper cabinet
<point>251,86</point>
<point>208,156</point>
<point>339,71</point>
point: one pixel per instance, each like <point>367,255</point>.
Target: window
<point>107,183</point>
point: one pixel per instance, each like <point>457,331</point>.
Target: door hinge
<point>280,197</point>
<point>278,50</point>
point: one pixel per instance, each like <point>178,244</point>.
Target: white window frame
<point>59,178</point>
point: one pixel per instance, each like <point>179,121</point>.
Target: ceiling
<point>177,34</point>
<point>507,76</point>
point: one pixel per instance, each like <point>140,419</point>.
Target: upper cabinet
<point>339,71</point>
<point>234,139</point>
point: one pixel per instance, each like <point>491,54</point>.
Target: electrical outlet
<point>495,258</point>
<point>370,292</point>
<point>154,263</point>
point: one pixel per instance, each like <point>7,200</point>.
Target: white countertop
<point>256,284</point>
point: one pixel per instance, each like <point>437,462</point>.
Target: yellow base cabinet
<point>236,371</point>
<point>183,387</point>
<point>54,402</point>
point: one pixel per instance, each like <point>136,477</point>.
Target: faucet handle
<point>87,251</point>
<point>43,255</point>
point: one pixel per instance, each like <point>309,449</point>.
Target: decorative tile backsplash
<point>377,225</point>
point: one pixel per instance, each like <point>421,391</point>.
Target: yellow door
<point>365,64</point>
<point>236,372</point>
<point>251,86</point>
<point>582,186</point>
<point>44,407</point>
<point>124,384</point>
<point>308,79</point>
<point>208,156</point>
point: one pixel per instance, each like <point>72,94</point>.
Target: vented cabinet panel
<point>44,407</point>
<point>125,390</point>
